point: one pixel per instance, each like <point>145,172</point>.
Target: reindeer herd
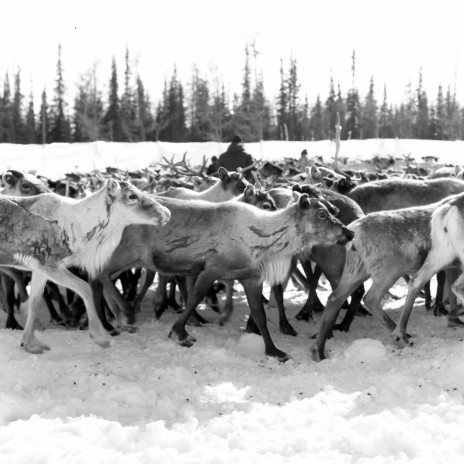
<point>351,229</point>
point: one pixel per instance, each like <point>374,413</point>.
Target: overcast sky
<point>392,39</point>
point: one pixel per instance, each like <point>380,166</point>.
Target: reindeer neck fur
<point>215,193</point>
<point>93,230</point>
<point>273,239</point>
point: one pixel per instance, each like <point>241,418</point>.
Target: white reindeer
<point>48,233</point>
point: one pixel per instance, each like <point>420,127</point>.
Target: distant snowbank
<point>56,159</point>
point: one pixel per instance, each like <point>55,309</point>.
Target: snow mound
<point>365,350</point>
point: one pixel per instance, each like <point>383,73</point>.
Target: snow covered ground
<point>57,159</point>
<point>147,400</point>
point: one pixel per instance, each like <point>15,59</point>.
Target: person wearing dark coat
<point>235,156</point>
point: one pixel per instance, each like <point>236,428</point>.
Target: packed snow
<point>147,400</point>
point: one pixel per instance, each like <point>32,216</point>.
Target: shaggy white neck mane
<point>95,234</point>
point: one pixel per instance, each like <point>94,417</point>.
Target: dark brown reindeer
<point>47,234</point>
<point>387,246</point>
<point>229,240</point>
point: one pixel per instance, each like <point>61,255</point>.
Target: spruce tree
<point>60,127</point>
<point>30,125</point>
<point>317,121</point>
<point>18,121</point>
<point>353,107</point>
<point>112,119</point>
<point>44,120</point>
<point>128,105</point>
<point>369,115</point>
<point>7,132</point>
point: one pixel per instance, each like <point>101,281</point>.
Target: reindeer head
<point>232,181</point>
<point>134,206</point>
<point>259,198</point>
<point>22,184</point>
<point>318,226</point>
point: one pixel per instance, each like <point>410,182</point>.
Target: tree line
<point>201,109</point>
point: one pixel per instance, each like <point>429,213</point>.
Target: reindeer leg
<point>285,326</point>
<point>64,277</point>
<point>119,306</point>
<point>254,293</point>
<point>433,263</point>
<point>148,281</point>
<point>196,293</point>
<point>452,276</point>
<point>99,301</point>
<point>312,303</point>
<point>345,288</point>
<point>161,297</point>
<point>9,300</point>
<point>355,304</point>
<point>54,316</point>
<point>173,283</point>
<point>29,341</point>
<point>439,306</point>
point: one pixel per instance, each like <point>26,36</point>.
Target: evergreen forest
<point>200,109</point>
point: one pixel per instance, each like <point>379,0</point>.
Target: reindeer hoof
<point>280,355</point>
<point>182,339</point>
<point>35,347</point>
<point>402,340</point>
<point>13,325</point>
<point>317,355</point>
<point>455,322</point>
<point>287,329</point>
<point>303,315</point>
<point>439,310</point>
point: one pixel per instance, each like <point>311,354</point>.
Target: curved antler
<point>181,168</point>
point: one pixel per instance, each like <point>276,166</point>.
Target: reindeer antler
<point>181,168</point>
<point>338,129</point>
<point>251,166</point>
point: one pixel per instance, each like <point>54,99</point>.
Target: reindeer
<point>229,185</point>
<point>47,234</point>
<point>447,236</point>
<point>387,246</point>
<point>20,184</point>
<point>229,240</point>
<point>251,196</point>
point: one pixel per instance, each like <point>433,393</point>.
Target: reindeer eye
<point>321,215</point>
<point>133,197</point>
<point>266,206</point>
<point>240,186</point>
<point>26,186</point>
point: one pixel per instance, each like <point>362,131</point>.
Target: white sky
<point>392,39</point>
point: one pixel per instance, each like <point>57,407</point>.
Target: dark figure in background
<point>236,157</point>
<point>213,167</point>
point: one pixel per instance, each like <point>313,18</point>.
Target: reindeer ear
<point>9,179</point>
<point>249,191</point>
<point>223,174</point>
<point>305,201</point>
<point>113,188</point>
